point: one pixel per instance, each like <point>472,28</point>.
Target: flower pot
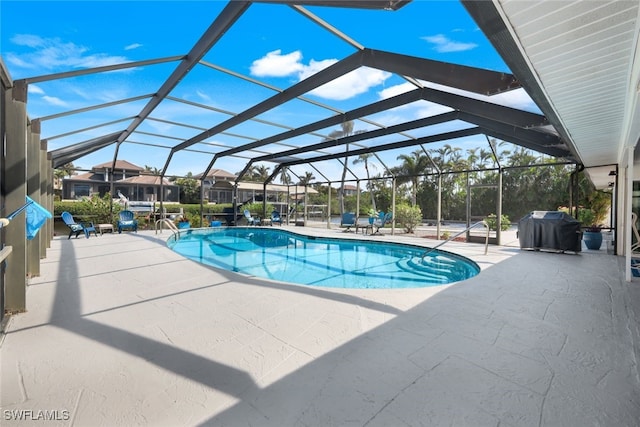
<point>184,225</point>
<point>592,239</point>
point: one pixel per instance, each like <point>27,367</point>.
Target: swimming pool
<point>321,261</point>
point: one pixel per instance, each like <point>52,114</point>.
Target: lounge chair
<point>382,221</point>
<point>275,218</point>
<point>78,227</point>
<point>348,220</point>
<point>127,221</point>
<point>251,220</point>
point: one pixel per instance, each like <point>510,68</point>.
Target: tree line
<point>468,179</point>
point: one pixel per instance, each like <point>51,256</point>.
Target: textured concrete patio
<point>121,331</point>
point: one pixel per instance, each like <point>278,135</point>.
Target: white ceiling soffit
<point>582,53</point>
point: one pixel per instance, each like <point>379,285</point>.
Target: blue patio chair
<point>78,227</point>
<point>251,220</point>
<point>382,221</point>
<point>348,220</point>
<point>275,218</point>
<point>127,221</point>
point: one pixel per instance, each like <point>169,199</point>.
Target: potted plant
<point>592,237</point>
<point>592,232</point>
<point>183,222</point>
<point>593,214</point>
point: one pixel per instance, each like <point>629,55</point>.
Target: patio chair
<point>127,221</point>
<point>348,220</point>
<point>251,220</point>
<point>78,227</point>
<point>275,218</point>
<point>383,220</point>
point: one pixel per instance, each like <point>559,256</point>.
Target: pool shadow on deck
<point>66,315</point>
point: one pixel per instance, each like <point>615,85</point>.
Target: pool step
<point>436,264</point>
<point>437,268</point>
<point>414,266</point>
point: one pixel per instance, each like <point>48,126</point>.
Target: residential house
<point>219,188</point>
<point>350,190</point>
<point>130,180</point>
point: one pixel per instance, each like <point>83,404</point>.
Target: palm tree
<point>307,178</point>
<point>364,158</point>
<point>413,165</point>
<point>262,172</point>
<point>285,176</point>
<point>68,169</point>
<point>151,170</point>
<point>486,158</point>
<point>472,158</point>
<point>347,128</point>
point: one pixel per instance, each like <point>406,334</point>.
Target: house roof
<point>120,164</point>
<point>87,176</point>
<point>258,186</point>
<point>218,174</point>
<point>144,180</point>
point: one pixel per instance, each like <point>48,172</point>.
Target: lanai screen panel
<point>232,93</point>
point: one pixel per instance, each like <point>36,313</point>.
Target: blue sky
<point>274,44</point>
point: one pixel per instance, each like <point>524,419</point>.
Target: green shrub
<point>217,208</point>
<point>491,221</point>
<point>95,209</point>
<point>586,217</point>
<point>256,208</point>
<point>408,217</point>
<point>195,219</point>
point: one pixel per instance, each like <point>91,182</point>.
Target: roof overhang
<point>579,61</point>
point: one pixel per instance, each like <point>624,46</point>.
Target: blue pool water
<point>338,263</point>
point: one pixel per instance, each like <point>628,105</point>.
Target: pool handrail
<point>170,225</point>
<point>486,242</point>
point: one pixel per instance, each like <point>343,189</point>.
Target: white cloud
<point>352,84</point>
<point>133,46</point>
<point>443,44</point>
<point>203,95</point>
<point>52,54</point>
<point>17,61</point>
<point>29,40</point>
<point>396,90</point>
<point>51,100</point>
<point>274,64</point>
<point>416,109</point>
<point>517,98</point>
<point>35,89</point>
<point>315,67</point>
<point>55,101</point>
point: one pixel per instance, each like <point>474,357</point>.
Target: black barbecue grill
<point>551,230</point>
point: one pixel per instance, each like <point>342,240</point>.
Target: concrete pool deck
<point>121,331</point>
